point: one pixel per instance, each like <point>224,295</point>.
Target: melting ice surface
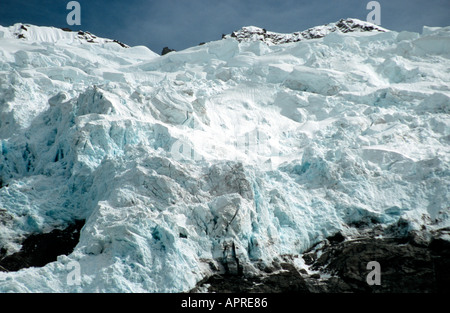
<point>185,163</point>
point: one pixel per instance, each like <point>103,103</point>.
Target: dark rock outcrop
<point>339,265</point>
<point>39,249</point>
<point>251,33</point>
<point>288,279</point>
<point>404,267</point>
<point>166,50</point>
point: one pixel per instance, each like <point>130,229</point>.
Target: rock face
<point>288,279</point>
<point>252,33</point>
<point>404,266</point>
<point>166,50</point>
<point>407,265</point>
<point>40,249</point>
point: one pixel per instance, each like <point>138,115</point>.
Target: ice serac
<point>232,157</point>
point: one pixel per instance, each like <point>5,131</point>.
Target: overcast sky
<point>180,24</point>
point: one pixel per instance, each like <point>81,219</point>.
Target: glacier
<point>224,157</point>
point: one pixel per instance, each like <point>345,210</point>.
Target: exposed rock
<point>121,43</point>
<point>252,33</point>
<point>166,50</point>
<point>288,279</point>
<point>340,266</point>
<point>338,237</point>
<point>39,249</point>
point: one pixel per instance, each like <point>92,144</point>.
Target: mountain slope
<point>230,157</point>
<point>252,33</point>
<point>44,34</point>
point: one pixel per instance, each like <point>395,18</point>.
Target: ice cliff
<point>225,157</point>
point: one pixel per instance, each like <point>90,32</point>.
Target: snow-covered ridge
<point>253,33</point>
<point>52,35</point>
<point>227,156</point>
